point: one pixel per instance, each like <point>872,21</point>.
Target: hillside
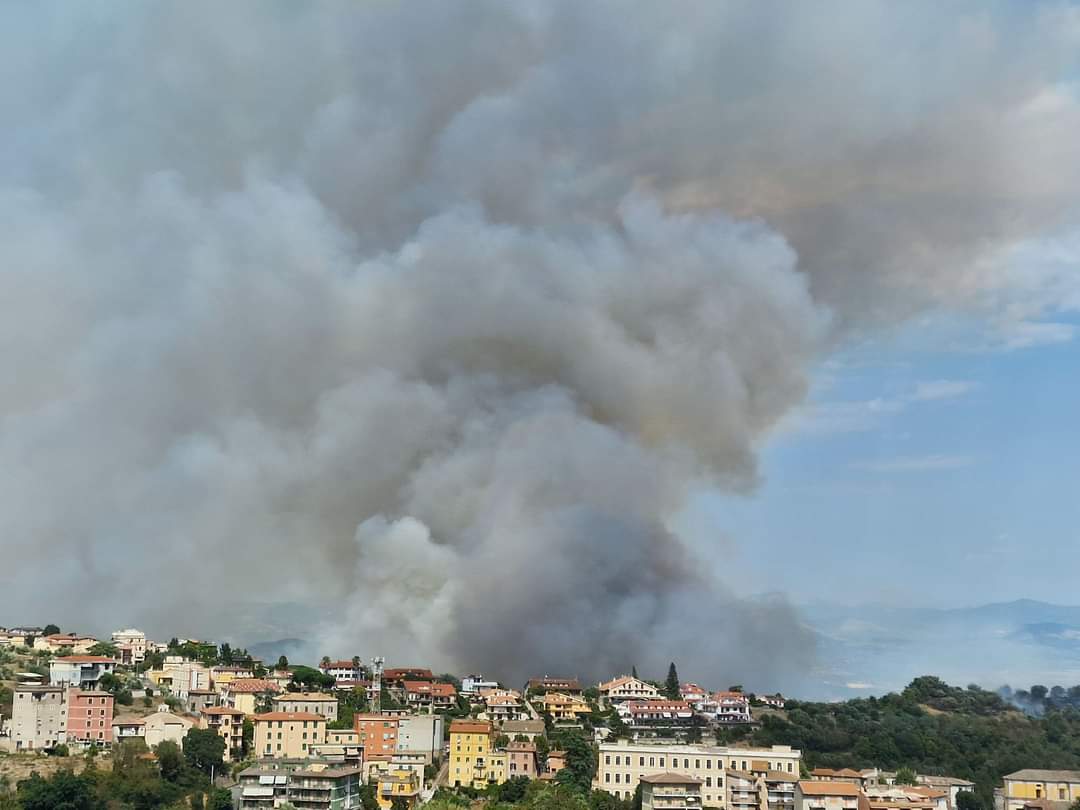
<point>931,727</point>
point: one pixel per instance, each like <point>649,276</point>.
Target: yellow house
<point>473,760</point>
<point>244,694</point>
<point>1031,785</point>
<point>398,783</point>
<point>563,707</point>
<point>288,735</point>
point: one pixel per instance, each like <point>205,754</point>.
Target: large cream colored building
<point>1032,784</point>
<point>164,726</point>
<point>623,763</point>
<point>314,702</point>
<point>38,716</point>
<point>288,735</point>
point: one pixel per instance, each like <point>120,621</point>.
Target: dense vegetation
<point>175,778</point>
<point>931,727</point>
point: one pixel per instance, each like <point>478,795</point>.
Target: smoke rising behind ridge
<point>440,312</point>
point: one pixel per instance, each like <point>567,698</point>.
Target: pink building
<point>522,759</point>
<point>90,717</point>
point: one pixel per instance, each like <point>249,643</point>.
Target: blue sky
<point>915,476</point>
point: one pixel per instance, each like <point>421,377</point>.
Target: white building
<point>670,791</point>
<point>628,687</point>
<point>471,684</point>
<point>82,671</point>
<point>162,725</point>
<point>38,716</point>
<point>132,645</point>
<point>420,734</point>
<point>623,763</point>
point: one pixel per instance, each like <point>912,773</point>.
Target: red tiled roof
<point>221,710</point>
<point>470,727</point>
<point>824,788</point>
<point>252,685</point>
<point>85,659</point>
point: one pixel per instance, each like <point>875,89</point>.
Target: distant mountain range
<point>871,649</point>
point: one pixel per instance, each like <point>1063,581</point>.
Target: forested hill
<point>931,727</point>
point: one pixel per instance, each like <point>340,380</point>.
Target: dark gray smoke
<point>438,312</point>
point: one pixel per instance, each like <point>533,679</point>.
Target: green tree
<point>966,800</point>
<point>249,736</point>
<point>225,653</point>
<point>399,803</point>
<point>170,760</point>
<point>906,776</point>
<point>204,750</point>
<point>633,672</point>
<point>368,798</point>
<point>51,630</point>
<point>282,662</point>
<point>671,685</point>
<point>63,791</point>
<point>219,799</point>
<point>581,760</point>
<point>105,649</point>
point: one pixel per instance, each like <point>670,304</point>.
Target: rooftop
<point>824,788</point>
<point>289,716</point>
<point>670,779</point>
<point>1037,775</point>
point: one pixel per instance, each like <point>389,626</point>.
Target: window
<point>607,778</point>
<point>1061,793</point>
<point>607,759</point>
<point>661,762</point>
<point>708,764</point>
<point>708,781</point>
<point>617,778</point>
<point>652,762</point>
<point>697,763</point>
<point>641,761</point>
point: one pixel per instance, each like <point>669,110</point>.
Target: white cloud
<point>915,463</point>
<point>940,389</point>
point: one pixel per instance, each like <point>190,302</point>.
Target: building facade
<point>229,724</point>
<point>81,671</point>
<point>822,795</point>
<point>38,716</point>
<point>1032,784</point>
<point>312,702</point>
<point>288,735</point>
<point>628,687</point>
<point>89,717</point>
<point>378,734</point>
<point>670,791</point>
<point>623,763</point>
<point>471,747</point>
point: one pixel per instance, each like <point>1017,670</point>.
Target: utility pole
<point>376,681</point>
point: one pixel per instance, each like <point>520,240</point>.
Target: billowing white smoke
<point>438,312</point>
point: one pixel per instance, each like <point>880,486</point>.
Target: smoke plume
<point>438,312</point>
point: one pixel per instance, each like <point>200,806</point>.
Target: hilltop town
<point>210,724</point>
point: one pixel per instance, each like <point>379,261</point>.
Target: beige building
<point>623,763</point>
<point>628,687</point>
<point>229,724</point>
<point>312,702</point>
<point>38,716</point>
<point>521,760</point>
<point>670,791</point>
<point>181,676</point>
<point>287,735</point>
<point>822,795</point>
<point>164,725</point>
<point>1031,785</point>
<point>245,694</point>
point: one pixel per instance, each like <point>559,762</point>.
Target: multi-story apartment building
<point>181,677</point>
<point>656,714</point>
<point>670,791</point>
<point>89,717</point>
<point>229,724</point>
<point>199,700</point>
<point>521,760</point>
<point>287,735</point>
<point>38,716</point>
<point>127,727</point>
<point>401,784</point>
<point>563,707</point>
<point>471,684</point>
<point>502,708</point>
<point>623,763</point>
<point>313,702</point>
<point>471,748</point>
<point>64,644</point>
<point>81,671</point>
<point>429,693</point>
<point>732,707</point>
<point>302,784</point>
<point>378,734</point>
<point>568,686</point>
<point>343,670</point>
<point>419,734</point>
<point>822,795</point>
<point>1032,784</point>
<point>246,694</point>
<point>131,644</point>
<point>627,687</point>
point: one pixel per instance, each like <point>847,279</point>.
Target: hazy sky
<point>525,332</point>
